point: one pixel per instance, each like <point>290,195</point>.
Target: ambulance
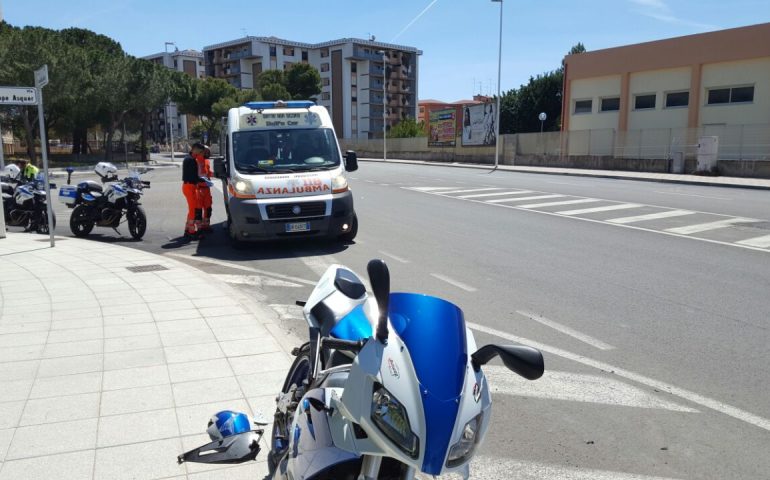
<point>283,174</point>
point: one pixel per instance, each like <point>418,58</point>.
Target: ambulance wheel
<point>232,234</point>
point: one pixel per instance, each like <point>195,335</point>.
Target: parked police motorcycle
<point>106,205</point>
<point>360,403</point>
<point>25,201</point>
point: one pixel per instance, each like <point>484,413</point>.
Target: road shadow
<point>217,245</point>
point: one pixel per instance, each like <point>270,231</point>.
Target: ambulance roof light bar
<point>280,104</point>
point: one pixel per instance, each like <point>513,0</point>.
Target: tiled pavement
<point>107,373</point>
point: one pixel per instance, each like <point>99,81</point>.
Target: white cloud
<point>661,11</point>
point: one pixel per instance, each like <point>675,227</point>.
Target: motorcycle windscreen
<point>433,330</point>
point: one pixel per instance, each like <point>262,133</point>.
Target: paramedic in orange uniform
<point>204,191</point>
<point>190,180</point>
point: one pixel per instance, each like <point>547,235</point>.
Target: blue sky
<point>459,38</point>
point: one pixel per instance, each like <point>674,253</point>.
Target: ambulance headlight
<point>339,184</point>
<point>391,418</point>
<point>461,451</point>
<point>243,187</point>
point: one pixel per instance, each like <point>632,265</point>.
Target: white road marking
<point>608,208</point>
<point>317,263</point>
<point>237,266</point>
<point>693,397</point>
<point>521,199</point>
<point>691,195</point>
<point>394,257</point>
<point>705,227</point>
<point>577,387</point>
<point>651,216</point>
<point>496,194</point>
<point>470,190</point>
<point>254,280</point>
<point>450,281</point>
<point>594,342</point>
<point>759,242</point>
<point>428,189</point>
<point>487,466</point>
<point>384,185</point>
<point>565,202</point>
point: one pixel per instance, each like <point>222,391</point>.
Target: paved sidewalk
<point>110,373</point>
<point>739,182</point>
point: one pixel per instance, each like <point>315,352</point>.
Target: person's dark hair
<point>198,146</point>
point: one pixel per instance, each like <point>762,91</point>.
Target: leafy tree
<point>275,91</point>
<point>303,81</point>
<point>407,128</point>
<point>270,77</point>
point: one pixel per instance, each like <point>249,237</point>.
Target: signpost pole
<point>41,80</point>
<point>2,149</point>
<point>2,166</point>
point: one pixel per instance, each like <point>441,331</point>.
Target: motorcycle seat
<point>90,186</point>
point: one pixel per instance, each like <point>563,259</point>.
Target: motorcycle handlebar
<point>348,345</point>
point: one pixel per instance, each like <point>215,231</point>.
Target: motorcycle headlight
<point>463,449</point>
<point>391,418</point>
<point>339,184</point>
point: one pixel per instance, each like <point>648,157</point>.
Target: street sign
<point>542,117</point>
<point>41,77</point>
<point>18,96</point>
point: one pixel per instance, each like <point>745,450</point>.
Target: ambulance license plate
<point>297,227</point>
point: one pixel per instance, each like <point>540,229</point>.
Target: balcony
<point>360,54</point>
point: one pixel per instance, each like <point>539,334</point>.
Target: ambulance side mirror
<point>220,167</point>
<point>351,161</point>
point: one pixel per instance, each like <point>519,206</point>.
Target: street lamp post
<point>384,105</point>
<point>499,69</point>
<point>168,106</point>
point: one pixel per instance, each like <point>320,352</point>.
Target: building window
<point>611,104</point>
<point>324,52</point>
<point>272,50</point>
<point>719,96</point>
<point>325,96</point>
<point>304,55</point>
<point>353,67</point>
<point>644,102</point>
<point>325,67</point>
<point>353,99</point>
<point>287,65</point>
<point>677,99</point>
<point>288,51</point>
<point>583,106</point>
<point>325,81</point>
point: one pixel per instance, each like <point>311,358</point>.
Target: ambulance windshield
<point>285,150</point>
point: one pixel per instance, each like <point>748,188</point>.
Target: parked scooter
<point>25,201</point>
<point>106,205</point>
<point>385,388</point>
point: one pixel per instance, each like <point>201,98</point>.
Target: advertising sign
<point>442,128</point>
<point>479,124</point>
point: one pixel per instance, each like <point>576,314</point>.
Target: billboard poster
<point>479,125</point>
<point>442,128</point>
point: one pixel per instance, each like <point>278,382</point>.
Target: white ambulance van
<point>284,175</point>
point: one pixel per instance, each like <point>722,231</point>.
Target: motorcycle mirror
<point>379,277</point>
<point>526,361</point>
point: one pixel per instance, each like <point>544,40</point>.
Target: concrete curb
<point>573,173</point>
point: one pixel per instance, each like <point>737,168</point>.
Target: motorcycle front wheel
<point>81,222</point>
<point>279,441</point>
<point>42,226</point>
<point>137,222</point>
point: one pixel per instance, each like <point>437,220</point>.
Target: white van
<point>284,175</point>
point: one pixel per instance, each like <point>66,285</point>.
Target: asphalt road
<point>654,330</point>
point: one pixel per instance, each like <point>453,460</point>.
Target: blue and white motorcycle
<point>386,388</point>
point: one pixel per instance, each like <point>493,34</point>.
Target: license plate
<point>297,227</point>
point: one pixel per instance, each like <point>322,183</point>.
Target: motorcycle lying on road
<point>95,205</point>
<point>386,387</point>
<point>25,201</point>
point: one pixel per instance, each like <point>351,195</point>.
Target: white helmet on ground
<point>11,171</point>
<point>105,169</point>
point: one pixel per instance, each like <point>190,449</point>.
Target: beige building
<point>353,78</point>
<point>715,83</point>
<point>191,63</point>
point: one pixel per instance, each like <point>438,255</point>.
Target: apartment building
<point>359,78</point>
<point>709,80</point>
<point>191,63</point>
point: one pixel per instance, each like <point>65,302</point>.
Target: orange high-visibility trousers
<point>204,203</point>
<point>190,192</point>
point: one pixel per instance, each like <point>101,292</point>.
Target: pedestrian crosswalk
<point>749,233</point>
